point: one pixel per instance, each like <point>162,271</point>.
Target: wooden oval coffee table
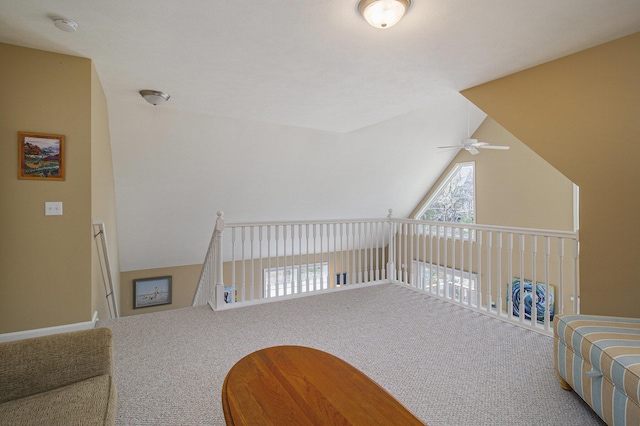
<point>295,385</point>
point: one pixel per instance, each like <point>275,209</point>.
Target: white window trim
<point>445,182</point>
<point>440,232</point>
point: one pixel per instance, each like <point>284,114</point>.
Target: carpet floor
<point>449,365</point>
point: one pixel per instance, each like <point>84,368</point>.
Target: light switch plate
<point>53,208</point>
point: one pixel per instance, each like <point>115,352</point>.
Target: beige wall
<point>102,197</point>
<point>45,261</point>
<point>515,187</point>
<point>580,113</point>
<point>184,281</point>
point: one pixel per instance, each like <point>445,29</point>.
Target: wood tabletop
<point>295,385</point>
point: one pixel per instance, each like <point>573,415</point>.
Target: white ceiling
<point>289,109</point>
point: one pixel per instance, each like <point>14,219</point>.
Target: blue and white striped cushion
<point>588,345</point>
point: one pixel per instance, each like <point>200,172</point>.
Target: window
<point>460,286</point>
<point>454,200</point>
<point>295,279</point>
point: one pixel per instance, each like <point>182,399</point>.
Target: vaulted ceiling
<point>292,109</point>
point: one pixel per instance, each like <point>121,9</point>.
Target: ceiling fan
<point>472,146</point>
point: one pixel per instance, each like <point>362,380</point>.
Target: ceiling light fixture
<point>154,97</point>
<point>66,24</point>
<point>383,13</point>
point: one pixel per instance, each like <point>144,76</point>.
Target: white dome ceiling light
<point>154,97</point>
<point>383,13</point>
<point>66,24</point>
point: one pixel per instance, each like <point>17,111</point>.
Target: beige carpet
<point>448,365</point>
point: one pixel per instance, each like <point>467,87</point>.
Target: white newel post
<point>391,266</point>
<point>219,295</point>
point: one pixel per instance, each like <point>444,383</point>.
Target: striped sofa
<point>599,358</point>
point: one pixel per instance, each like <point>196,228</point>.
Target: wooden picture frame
<point>154,291</point>
<point>40,156</point>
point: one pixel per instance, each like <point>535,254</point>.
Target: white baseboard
<point>18,335</point>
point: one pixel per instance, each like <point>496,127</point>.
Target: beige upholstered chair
<point>58,379</point>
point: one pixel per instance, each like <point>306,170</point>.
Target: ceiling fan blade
<point>502,147</point>
<point>472,150</point>
<point>451,146</point>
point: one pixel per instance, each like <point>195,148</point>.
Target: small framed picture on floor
<point>151,292</point>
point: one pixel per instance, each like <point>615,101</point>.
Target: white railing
<point>482,267</point>
<point>474,266</point>
<point>211,277</point>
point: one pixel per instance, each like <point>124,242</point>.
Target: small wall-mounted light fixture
<point>65,24</point>
<point>383,13</point>
<point>154,97</point>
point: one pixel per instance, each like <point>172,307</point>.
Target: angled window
<point>454,200</point>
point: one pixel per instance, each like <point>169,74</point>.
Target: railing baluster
<point>284,278</point>
<point>293,255</point>
<point>293,262</point>
<point>430,277</point>
<point>251,264</point>
<point>268,287</point>
<point>341,271</point>
<point>370,244</point>
<point>534,281</point>
<point>354,270</point>
<point>359,233</point>
<point>243,279</point>
<point>576,293</point>
<point>499,276</point>
<point>347,254</point>
<point>234,285</point>
<point>521,289</point>
<point>284,261</point>
<point>378,233</point>
<point>391,248</point>
<point>335,257</point>
<point>479,236</point>
<point>489,276</point>
<point>465,295</point>
<point>321,256</point>
<point>307,237</point>
<point>510,275</point>
<point>476,297</point>
<point>547,303</point>
<point>403,261</point>
<point>561,275</point>
<point>261,287</point>
<point>409,265</point>
<point>441,291</point>
<point>426,257</point>
<point>448,288</point>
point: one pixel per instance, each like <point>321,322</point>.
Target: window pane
<point>284,281</point>
<point>454,201</point>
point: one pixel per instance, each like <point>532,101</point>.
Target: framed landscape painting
<point>151,292</point>
<point>40,156</point>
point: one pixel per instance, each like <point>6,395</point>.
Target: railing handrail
<point>303,222</point>
<point>497,228</point>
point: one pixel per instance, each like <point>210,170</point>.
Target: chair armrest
<point>40,364</point>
